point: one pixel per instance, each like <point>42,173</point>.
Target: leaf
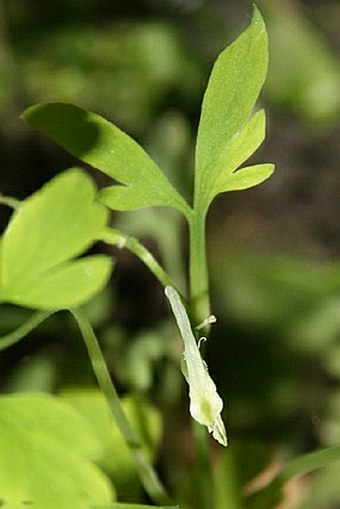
<point>272,494</point>
<point>101,144</point>
<point>243,144</point>
<point>248,177</point>
<point>324,491</point>
<point>114,456</point>
<point>55,224</point>
<point>310,461</point>
<point>238,150</point>
<point>225,139</point>
<point>45,451</point>
<point>68,285</point>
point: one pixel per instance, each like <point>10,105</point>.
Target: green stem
<point>200,306</point>
<point>205,481</point>
<point>147,474</point>
<point>9,201</point>
<point>199,281</point>
<point>24,329</point>
<point>122,240</point>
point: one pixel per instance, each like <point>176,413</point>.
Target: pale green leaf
<point>114,455</point>
<point>248,177</point>
<point>101,144</point>
<point>52,226</point>
<point>68,285</point>
<point>236,152</point>
<point>234,86</point>
<point>240,148</point>
<point>45,453</point>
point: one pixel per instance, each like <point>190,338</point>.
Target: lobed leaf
<point>46,449</point>
<point>101,144</point>
<point>247,177</point>
<point>52,226</point>
<point>225,138</point>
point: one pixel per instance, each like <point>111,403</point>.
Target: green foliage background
<point>273,251</point>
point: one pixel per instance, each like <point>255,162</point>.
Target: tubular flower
<point>205,403</point>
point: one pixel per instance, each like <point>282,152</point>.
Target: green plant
<point>59,223</point>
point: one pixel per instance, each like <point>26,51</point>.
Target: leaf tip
<point>257,16</point>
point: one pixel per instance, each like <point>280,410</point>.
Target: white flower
<point>205,404</point>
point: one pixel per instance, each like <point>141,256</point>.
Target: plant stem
<point>147,474</point>
<point>121,240</point>
<point>200,308</point>
<point>199,281</point>
<point>24,329</point>
<point>205,485</point>
<point>9,201</point>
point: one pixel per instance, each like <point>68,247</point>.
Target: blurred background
<point>274,251</point>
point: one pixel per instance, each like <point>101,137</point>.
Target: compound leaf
<point>49,229</point>
<point>101,144</point>
<point>226,138</point>
<point>46,451</point>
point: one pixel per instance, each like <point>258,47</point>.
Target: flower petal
<point>205,403</point>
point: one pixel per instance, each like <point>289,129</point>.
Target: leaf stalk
<point>146,472</point>
<point>122,240</point>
